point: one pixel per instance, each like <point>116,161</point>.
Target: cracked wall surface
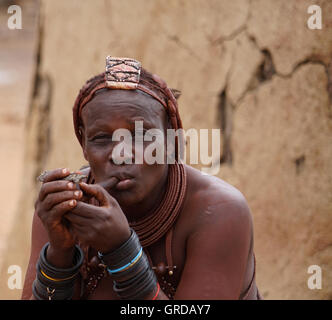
<point>253,69</point>
<point>282,161</point>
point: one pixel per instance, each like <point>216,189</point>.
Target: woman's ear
<point>176,93</point>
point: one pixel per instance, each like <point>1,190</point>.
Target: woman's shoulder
<point>211,189</point>
<point>212,200</point>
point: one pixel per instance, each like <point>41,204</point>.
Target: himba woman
<point>137,231</point>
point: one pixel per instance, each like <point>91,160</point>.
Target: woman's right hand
<point>55,199</point>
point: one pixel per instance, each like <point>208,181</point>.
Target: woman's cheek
<point>97,162</point>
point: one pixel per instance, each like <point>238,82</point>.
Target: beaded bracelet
<point>123,255</point>
<point>138,288</point>
<point>128,265</point>
<point>60,273</point>
<point>130,270</point>
<point>56,283</point>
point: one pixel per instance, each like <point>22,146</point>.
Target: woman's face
<point>108,111</point>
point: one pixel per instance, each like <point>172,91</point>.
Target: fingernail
<point>72,203</point>
<point>77,193</point>
<point>70,185</point>
<point>64,171</point>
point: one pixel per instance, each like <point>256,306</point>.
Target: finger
<point>79,230</point>
<point>60,209</point>
<point>81,234</point>
<point>109,184</point>
<point>71,229</point>
<point>98,192</point>
<point>52,175</point>
<point>77,220</point>
<point>85,210</point>
<point>55,186</point>
<point>53,199</point>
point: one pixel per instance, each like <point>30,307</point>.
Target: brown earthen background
<point>252,68</point>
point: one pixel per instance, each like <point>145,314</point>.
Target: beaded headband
<point>122,73</point>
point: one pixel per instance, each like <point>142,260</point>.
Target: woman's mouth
<point>118,183</point>
<point>124,184</point>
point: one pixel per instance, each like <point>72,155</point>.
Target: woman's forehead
<point>126,103</point>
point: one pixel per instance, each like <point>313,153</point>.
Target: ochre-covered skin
<point>212,245</point>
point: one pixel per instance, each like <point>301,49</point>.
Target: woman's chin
<point>126,198</point>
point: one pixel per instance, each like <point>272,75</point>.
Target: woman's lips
<point>118,184</point>
<point>124,184</point>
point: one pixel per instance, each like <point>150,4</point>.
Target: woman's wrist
<point>60,257</point>
<point>55,283</point>
<point>116,242</point>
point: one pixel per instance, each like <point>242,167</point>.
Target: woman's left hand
<point>104,227</point>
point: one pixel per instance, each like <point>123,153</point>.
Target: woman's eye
<point>101,137</point>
